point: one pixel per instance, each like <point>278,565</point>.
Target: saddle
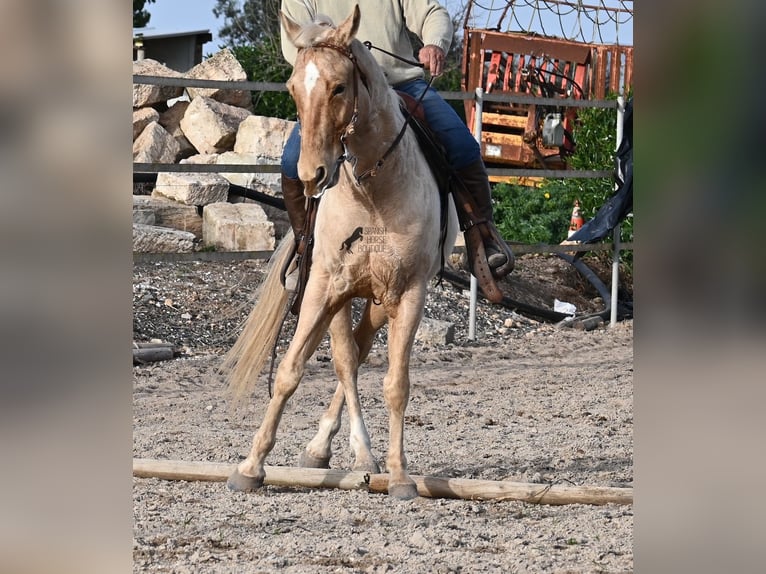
<point>473,226</point>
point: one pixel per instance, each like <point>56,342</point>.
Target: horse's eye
<point>339,89</point>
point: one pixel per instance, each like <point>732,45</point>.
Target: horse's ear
<point>291,27</point>
<point>348,28</point>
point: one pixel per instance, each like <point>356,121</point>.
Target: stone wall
<point>204,126</point>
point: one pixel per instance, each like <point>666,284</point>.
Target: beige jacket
<point>383,24</point>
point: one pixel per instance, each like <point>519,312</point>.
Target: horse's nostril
<point>321,173</point>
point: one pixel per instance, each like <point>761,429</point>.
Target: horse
<point>378,236</point>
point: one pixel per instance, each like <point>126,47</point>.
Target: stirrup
<point>499,256</point>
<point>495,257</point>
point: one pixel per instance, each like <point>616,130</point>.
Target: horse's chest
<point>365,240</point>
<point>360,258</point>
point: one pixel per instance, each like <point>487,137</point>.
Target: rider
<point>385,24</point>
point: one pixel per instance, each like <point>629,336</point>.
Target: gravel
<point>526,401</point>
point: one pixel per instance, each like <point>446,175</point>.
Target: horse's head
<point>323,85</point>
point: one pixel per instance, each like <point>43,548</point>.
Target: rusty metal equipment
<point>531,135</point>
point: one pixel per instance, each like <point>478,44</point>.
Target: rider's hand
<point>432,58</point>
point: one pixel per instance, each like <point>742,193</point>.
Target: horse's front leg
<point>396,387</point>
<point>312,325</point>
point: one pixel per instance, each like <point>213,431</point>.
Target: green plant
<point>532,215</point>
<point>595,135</point>
<point>263,62</point>
<point>141,16</point>
<point>251,30</point>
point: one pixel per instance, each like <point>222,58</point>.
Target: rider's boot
<point>295,203</point>
<point>499,255</point>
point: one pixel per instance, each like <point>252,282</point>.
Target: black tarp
<point>620,204</point>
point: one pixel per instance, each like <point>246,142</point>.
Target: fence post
<point>616,240</point>
<point>478,109</point>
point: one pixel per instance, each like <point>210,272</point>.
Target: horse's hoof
<point>307,460</point>
<point>405,491</point>
<point>240,483</point>
<point>371,467</point>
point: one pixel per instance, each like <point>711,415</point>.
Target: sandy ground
<point>531,403</point>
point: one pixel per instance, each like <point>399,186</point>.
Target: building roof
<point>154,34</point>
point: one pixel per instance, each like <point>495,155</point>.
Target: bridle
<point>351,125</point>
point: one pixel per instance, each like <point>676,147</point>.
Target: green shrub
<point>263,62</point>
<point>532,215</point>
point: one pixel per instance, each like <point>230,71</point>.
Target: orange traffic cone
<point>577,220</point>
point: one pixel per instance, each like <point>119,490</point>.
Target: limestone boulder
<point>222,66</point>
<point>255,179</point>
<point>153,239</point>
<point>149,94</point>
<point>164,212</point>
<point>191,188</point>
<point>237,227</point>
<point>435,332</point>
<point>155,145</point>
<point>260,141</point>
<point>142,117</point>
<point>201,159</point>
<point>263,136</point>
<point>211,126</point>
<point>143,215</point>
<point>170,119</point>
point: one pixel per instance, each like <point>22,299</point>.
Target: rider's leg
<point>292,193</point>
<point>464,155</point>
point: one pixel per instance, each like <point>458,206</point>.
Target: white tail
<point>247,357</point>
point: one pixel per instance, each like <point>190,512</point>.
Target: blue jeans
<point>462,149</point>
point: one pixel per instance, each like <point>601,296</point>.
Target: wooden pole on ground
<point>472,489</point>
<point>428,486</point>
<point>275,475</point>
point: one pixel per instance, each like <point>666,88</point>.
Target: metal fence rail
<point>152,168</point>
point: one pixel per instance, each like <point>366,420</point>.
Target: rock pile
<point>188,211</point>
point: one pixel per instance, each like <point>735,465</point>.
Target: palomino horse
<point>377,237</point>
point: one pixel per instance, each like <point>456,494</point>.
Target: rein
<point>369,45</point>
<point>350,127</point>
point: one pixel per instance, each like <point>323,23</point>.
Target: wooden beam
<point>275,475</point>
<point>472,489</point>
<point>505,120</point>
<point>497,138</point>
<point>428,486</point>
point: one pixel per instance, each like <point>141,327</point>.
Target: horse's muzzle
<point>323,180</point>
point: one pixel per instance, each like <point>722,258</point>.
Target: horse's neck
<point>401,184</point>
<point>376,131</point>
<point>382,121</point>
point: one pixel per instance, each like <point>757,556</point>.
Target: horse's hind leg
<point>250,473</point>
<point>348,350</point>
<point>396,388</point>
<point>373,319</point>
<point>319,450</point>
